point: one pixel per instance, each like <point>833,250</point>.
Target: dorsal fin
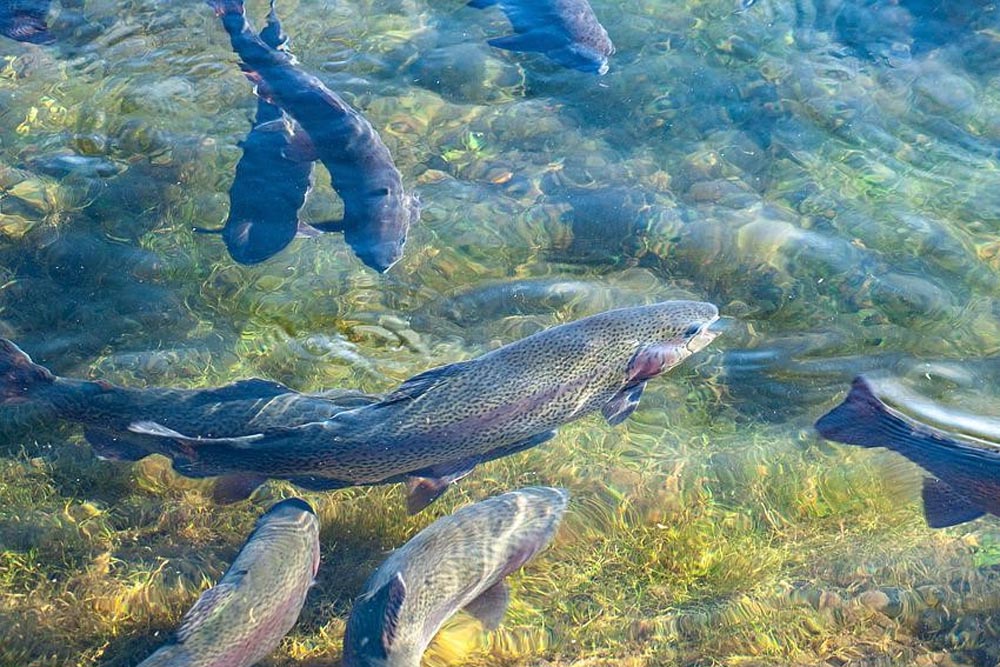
<point>210,602</point>
<point>421,383</point>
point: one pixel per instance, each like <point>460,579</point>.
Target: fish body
<point>377,211</point>
<point>24,20</point>
<point>258,599</point>
<point>437,426</point>
<point>458,562</point>
<point>269,188</point>
<point>566,31</point>
<point>106,410</point>
<point>966,469</point>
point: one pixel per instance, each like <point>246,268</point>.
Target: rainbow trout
<point>566,31</point>
<point>966,467</point>
<point>258,599</point>
<point>269,188</point>
<point>24,20</point>
<point>458,562</point>
<point>437,426</point>
<point>106,410</point>
<point>377,211</point>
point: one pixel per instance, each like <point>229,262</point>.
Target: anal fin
<point>944,507</point>
<point>233,488</point>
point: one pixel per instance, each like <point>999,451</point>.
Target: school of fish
<point>437,426</point>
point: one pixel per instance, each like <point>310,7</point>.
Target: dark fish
<point>241,408</point>
<point>458,562</point>
<point>437,426</point>
<point>966,468</point>
<point>258,599</point>
<point>24,20</point>
<point>567,31</point>
<point>269,188</point>
<point>377,211</point>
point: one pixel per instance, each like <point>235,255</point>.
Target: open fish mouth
<point>708,332</point>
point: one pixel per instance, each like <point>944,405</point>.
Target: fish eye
<point>692,330</point>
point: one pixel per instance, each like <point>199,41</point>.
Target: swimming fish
<point>24,20</point>
<point>437,426</point>
<point>458,562</point>
<point>240,408</point>
<point>377,211</point>
<point>258,599</point>
<point>567,31</point>
<point>269,188</point>
<point>965,467</point>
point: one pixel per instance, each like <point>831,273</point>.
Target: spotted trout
<point>377,211</point>
<point>25,20</point>
<point>566,31</point>
<point>258,599</point>
<point>269,188</point>
<point>965,466</point>
<point>458,562</point>
<point>106,410</point>
<point>437,426</point>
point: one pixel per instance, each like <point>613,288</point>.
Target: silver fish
<point>437,426</point>
<point>458,562</point>
<point>258,599</point>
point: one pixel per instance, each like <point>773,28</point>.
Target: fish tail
<point>864,420</point>
<point>19,375</point>
<point>227,7</point>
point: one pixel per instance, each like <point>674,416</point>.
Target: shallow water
<point>826,172</point>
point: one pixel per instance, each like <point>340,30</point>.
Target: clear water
<point>826,172</point>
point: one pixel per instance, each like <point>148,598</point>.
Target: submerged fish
<point>437,426</point>
<point>24,20</point>
<point>966,468</point>
<point>377,211</point>
<point>240,408</point>
<point>458,562</point>
<point>258,599</point>
<point>567,31</point>
<point>269,188</point>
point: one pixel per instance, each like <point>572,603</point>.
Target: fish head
<point>535,516</point>
<point>636,344</point>
<point>293,515</point>
<point>379,240</point>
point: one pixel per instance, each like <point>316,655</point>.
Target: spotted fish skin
<point>377,211</point>
<point>566,31</point>
<point>966,470</point>
<point>257,601</point>
<point>24,20</point>
<point>439,425</point>
<point>107,410</point>
<point>458,562</point>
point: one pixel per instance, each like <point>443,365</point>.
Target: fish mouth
<point>711,330</point>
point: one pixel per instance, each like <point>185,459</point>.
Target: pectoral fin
<point>943,506</point>
<point>491,605</point>
<point>528,41</point>
<point>300,148</point>
<point>622,404</point>
<point>329,226</point>
<point>114,446</point>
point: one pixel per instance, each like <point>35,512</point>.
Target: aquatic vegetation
<point>834,193</point>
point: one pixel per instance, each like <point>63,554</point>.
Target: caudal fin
<point>19,375</point>
<point>863,419</point>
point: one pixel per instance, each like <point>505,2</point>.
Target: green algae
<point>806,193</point>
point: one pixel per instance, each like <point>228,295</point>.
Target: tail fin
<point>863,419</point>
<point>19,375</point>
<point>227,7</point>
